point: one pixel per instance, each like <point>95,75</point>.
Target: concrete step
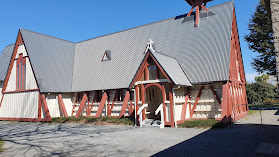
<point>152,123</point>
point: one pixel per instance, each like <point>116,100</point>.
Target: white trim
<point>151,81</point>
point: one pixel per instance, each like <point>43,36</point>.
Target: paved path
<point>35,139</point>
<point>266,117</point>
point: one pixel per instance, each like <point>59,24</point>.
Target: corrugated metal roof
<point>202,53</point>
<point>5,58</point>
<point>52,60</point>
<point>172,68</point>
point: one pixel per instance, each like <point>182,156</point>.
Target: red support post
<point>184,108</point>
<point>197,16</point>
<point>62,106</point>
<point>196,102</point>
<point>225,102</point>
<point>125,104</point>
<point>215,94</point>
<point>39,107</point>
<point>171,105</point>
<point>81,106</point>
<point>46,111</point>
<point>101,106</point>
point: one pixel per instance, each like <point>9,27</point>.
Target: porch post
<point>137,104</point>
<point>143,100</point>
<point>171,105</point>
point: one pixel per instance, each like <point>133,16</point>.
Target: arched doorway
<point>153,97</point>
<point>156,92</point>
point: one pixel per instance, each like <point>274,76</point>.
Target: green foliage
<point>262,78</point>
<point>271,101</point>
<point>210,123</point>
<point>1,144</point>
<point>92,120</point>
<point>260,40</point>
<point>260,91</point>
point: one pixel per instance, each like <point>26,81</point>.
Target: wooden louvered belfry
<point>198,4</point>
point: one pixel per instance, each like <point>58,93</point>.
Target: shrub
<point>92,120</point>
<point>210,123</point>
<point>1,144</point>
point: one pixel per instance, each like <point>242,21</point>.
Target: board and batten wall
<point>208,106</point>
<point>53,105</point>
<point>1,87</point>
<point>20,104</point>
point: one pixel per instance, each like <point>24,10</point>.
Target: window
<point>107,55</point>
<point>152,72</point>
<point>20,72</point>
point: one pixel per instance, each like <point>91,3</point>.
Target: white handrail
<point>140,113</point>
<point>161,109</point>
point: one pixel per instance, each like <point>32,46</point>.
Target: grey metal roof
<point>52,60</point>
<point>5,58</point>
<point>202,53</point>
<point>172,68</point>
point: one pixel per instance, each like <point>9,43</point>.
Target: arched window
<point>20,72</point>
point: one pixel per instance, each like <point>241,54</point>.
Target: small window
<point>107,55</point>
<point>152,72</point>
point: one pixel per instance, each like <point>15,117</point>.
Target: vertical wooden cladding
<point>21,97</point>
<point>20,105</point>
<point>234,103</point>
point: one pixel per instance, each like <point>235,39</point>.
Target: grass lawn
<point>1,144</point>
<point>92,120</point>
<point>252,112</point>
<point>210,123</point>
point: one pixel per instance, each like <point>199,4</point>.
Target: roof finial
<point>150,46</point>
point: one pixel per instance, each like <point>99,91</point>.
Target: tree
<point>260,91</point>
<point>262,78</point>
<point>260,40</point>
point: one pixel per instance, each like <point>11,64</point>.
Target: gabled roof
<point>202,53</point>
<point>52,60</point>
<point>5,58</point>
<point>172,68</point>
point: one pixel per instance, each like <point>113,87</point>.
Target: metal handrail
<point>140,113</point>
<point>160,109</point>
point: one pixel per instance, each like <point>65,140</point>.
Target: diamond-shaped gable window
<point>107,55</point>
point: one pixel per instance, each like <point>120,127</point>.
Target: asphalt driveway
<point>35,139</point>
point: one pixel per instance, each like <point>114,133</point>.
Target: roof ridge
<point>218,5</point>
<point>47,35</point>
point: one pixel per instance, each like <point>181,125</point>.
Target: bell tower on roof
<point>198,4</point>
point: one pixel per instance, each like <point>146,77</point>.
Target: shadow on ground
<point>233,141</point>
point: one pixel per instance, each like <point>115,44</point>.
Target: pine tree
<point>260,40</point>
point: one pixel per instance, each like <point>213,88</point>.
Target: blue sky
<point>77,20</point>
